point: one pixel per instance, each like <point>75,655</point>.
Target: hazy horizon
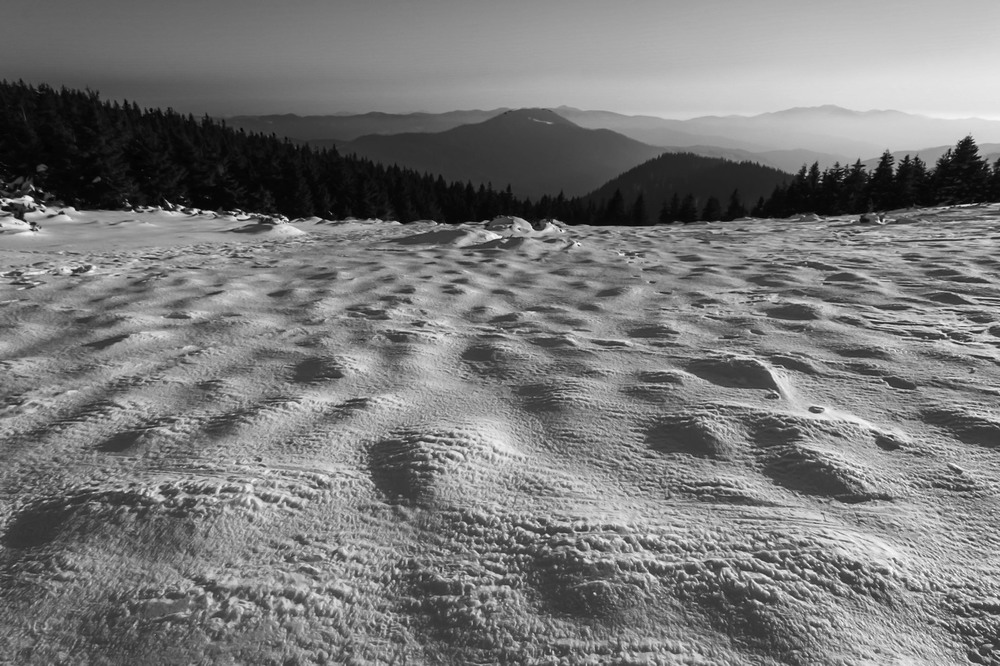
<point>666,59</point>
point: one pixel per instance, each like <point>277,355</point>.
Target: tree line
<point>960,176</point>
<point>102,154</point>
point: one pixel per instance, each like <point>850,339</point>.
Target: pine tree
<point>712,212</point>
<point>664,216</point>
<point>830,198</point>
<point>688,211</point>
<point>961,176</point>
<point>881,187</point>
<point>638,217</point>
<point>908,183</point>
<point>921,176</point>
<point>735,209</point>
<point>614,211</point>
<point>995,181</point>
<point>854,198</point>
<point>675,207</point>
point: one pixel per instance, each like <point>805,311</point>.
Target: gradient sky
<point>671,58</point>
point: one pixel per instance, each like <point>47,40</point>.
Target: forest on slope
<point>93,153</point>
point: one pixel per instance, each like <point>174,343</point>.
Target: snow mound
<point>515,226</point>
<point>269,229</point>
<point>458,237</point>
<point>510,224</point>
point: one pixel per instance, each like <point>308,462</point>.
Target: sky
<point>668,58</point>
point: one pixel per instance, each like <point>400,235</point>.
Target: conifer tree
<point>638,217</point>
<point>688,211</point>
<point>921,179</point>
<point>675,207</point>
<point>962,175</point>
<point>664,215</point>
<point>994,188</point>
<point>735,208</point>
<point>712,212</point>
<point>614,211</point>
<point>854,197</point>
<point>908,183</point>
<point>829,199</point>
<point>881,187</point>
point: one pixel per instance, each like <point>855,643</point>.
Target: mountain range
<point>784,139</point>
<point>535,151</point>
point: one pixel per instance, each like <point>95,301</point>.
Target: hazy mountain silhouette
<point>339,128</point>
<point>790,138</point>
<point>535,151</point>
<point>835,130</point>
<point>686,173</point>
<point>653,130</point>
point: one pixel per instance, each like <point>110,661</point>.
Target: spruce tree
<point>675,207</point>
<point>881,187</point>
<point>664,215</point>
<point>962,175</point>
<point>688,211</point>
<point>638,217</point>
<point>735,208</point>
<point>854,195</point>
<point>712,212</point>
<point>830,198</point>
<point>908,183</point>
<point>995,181</point>
<point>614,211</point>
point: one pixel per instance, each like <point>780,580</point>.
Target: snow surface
<point>766,442</point>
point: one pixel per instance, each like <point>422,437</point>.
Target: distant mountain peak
<point>827,109</point>
<point>543,116</point>
<point>834,110</point>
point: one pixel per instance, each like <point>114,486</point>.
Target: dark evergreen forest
<point>111,155</point>
<point>102,154</point>
<point>960,176</point>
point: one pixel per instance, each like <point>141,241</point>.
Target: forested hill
<point>686,187</point>
<point>103,154</point>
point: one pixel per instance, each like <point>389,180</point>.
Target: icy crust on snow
<point>230,438</point>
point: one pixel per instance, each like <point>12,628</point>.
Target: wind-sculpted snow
<point>314,442</point>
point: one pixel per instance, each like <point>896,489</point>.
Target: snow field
<point>762,442</point>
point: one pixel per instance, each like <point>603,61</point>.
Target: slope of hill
<point>785,160</point>
<point>535,151</point>
<point>686,173</point>
<point>344,127</point>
